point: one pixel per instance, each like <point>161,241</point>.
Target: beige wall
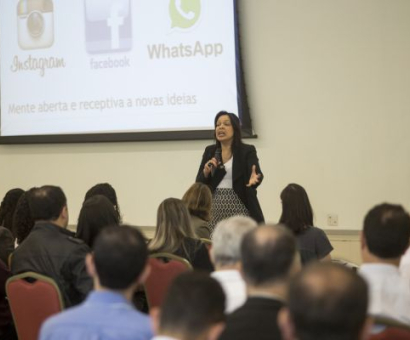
<point>329,89</point>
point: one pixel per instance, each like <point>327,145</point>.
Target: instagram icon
<point>35,24</point>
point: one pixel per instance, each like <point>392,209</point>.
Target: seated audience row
<point>257,268</point>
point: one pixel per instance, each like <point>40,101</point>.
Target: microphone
<point>218,157</point>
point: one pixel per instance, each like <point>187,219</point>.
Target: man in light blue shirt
<point>117,266</point>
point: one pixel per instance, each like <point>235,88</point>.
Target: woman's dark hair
<point>108,191</point>
<point>23,221</point>
<point>297,212</point>
<point>96,214</point>
<point>236,125</point>
<point>7,207</point>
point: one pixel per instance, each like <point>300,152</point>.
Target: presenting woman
<point>231,169</point>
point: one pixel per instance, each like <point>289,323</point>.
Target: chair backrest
<point>32,298</point>
<point>207,242</point>
<point>164,269</point>
<point>389,329</point>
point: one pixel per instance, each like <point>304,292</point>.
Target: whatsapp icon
<point>184,13</point>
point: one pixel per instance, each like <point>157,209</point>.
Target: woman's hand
<point>212,163</point>
<point>255,178</point>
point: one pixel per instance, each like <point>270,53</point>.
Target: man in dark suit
<point>269,260</point>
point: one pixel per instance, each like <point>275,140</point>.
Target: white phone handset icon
<point>188,16</point>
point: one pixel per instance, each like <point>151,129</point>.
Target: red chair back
<point>392,333</point>
<point>164,269</point>
<point>32,298</point>
<point>391,329</point>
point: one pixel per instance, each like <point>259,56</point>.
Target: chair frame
<point>172,257</point>
<point>36,276</point>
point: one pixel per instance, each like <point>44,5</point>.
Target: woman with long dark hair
<point>96,214</point>
<point>297,215</point>
<point>231,169</point>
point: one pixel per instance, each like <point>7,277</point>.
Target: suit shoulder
<point>75,240</point>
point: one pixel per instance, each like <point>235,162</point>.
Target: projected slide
<point>115,66</point>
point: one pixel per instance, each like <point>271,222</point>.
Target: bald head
<point>268,255</point>
<point>328,301</point>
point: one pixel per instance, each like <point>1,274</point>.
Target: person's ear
<point>90,265</point>
<point>285,324</point>
<point>145,273</point>
<point>155,313</point>
<point>362,241</point>
<point>211,255</point>
<point>367,328</point>
<point>215,331</point>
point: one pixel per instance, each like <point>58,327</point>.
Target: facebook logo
<point>108,26</point>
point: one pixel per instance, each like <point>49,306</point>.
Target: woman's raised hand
<point>255,178</point>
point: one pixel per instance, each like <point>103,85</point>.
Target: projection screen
<point>118,70</point>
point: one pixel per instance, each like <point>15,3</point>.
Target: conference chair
<point>207,242</point>
<point>389,329</point>
<point>32,298</point>
<point>164,269</point>
<point>351,265</point>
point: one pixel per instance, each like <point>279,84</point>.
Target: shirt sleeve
<point>323,247</point>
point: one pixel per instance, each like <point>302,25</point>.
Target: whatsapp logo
<point>184,13</point>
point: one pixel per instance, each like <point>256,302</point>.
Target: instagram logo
<point>35,24</point>
<point>108,26</point>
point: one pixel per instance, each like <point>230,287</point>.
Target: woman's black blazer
<point>244,157</point>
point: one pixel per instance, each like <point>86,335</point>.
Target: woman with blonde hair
<point>174,235</point>
<point>198,200</point>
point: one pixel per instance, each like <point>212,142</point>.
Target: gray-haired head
<point>227,238</point>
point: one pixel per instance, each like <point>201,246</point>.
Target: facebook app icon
<point>108,26</point>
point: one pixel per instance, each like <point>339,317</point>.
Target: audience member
<point>23,221</point>
<point>108,191</point>
<point>384,239</point>
<point>117,265</point>
<point>193,309</point>
<point>174,235</point>
<point>7,331</point>
<point>8,205</point>
<point>226,257</point>
<point>96,214</point>
<point>198,200</point>
<point>6,245</point>
<point>269,260</point>
<point>297,214</point>
<point>326,302</point>
<point>50,249</point>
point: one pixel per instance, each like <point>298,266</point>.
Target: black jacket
<point>244,158</point>
<point>256,319</point>
<point>53,251</point>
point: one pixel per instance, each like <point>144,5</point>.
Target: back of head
<point>120,256</point>
<point>227,239</point>
<point>173,225</point>
<point>194,303</point>
<point>105,189</point>
<point>8,205</point>
<point>23,220</point>
<point>387,231</point>
<point>268,255</point>
<point>328,301</point>
<point>198,200</point>
<point>297,213</point>
<point>96,213</point>
<point>46,203</point>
